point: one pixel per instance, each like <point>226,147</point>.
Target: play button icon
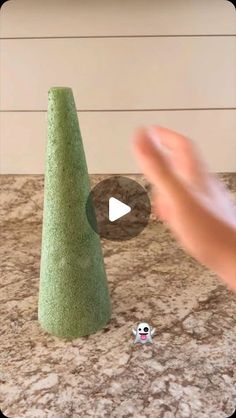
<point>118,208</point>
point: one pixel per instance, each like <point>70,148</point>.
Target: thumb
<point>155,166</point>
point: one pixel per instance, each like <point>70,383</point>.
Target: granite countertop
<point>188,371</point>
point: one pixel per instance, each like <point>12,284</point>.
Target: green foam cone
<point>74,297</point>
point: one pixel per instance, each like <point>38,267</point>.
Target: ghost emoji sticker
<point>143,333</point>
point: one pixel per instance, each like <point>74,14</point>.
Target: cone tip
<point>58,88</point>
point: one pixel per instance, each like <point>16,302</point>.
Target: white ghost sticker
<point>143,333</point>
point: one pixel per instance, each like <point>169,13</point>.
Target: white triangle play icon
<point>117,209</point>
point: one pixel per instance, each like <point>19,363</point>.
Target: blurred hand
<point>195,205</point>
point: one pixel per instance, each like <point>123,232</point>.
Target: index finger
<point>170,139</point>
<point>155,166</point>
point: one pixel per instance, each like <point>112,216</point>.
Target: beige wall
<point>129,64</point>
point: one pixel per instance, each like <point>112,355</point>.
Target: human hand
<point>195,205</point>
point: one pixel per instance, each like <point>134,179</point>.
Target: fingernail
<point>154,137</point>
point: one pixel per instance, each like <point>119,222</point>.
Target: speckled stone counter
<point>188,371</point>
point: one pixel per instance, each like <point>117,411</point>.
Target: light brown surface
<point>188,371</point>
<point>132,60</point>
<point>107,138</point>
<point>86,17</point>
<point>120,73</point>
